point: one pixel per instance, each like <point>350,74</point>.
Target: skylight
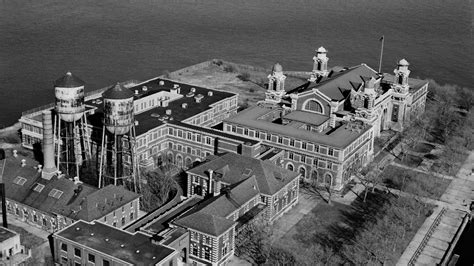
<point>19,180</point>
<point>38,187</point>
<point>247,172</point>
<point>55,193</point>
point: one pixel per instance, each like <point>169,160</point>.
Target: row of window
<point>281,140</point>
<point>32,128</point>
<point>356,143</point>
<point>78,255</point>
<point>319,163</point>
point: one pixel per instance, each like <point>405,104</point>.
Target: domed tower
<point>320,64</point>
<point>401,76</point>
<point>276,84</point>
<point>117,160</point>
<point>70,124</point>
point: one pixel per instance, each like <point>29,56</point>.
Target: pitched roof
<point>338,84</point>
<point>69,81</point>
<point>270,178</point>
<point>206,223</point>
<point>60,195</point>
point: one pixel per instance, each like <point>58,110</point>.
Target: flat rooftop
<point>340,136</point>
<point>307,117</point>
<point>156,116</point>
<point>132,248</point>
<point>6,234</point>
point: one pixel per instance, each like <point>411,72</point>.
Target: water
<point>108,41</point>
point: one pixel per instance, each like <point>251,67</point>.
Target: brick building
<point>11,250</point>
<point>236,190</point>
<point>95,243</point>
<point>54,203</point>
<point>327,125</point>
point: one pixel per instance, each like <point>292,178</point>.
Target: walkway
<point>294,215</point>
<point>440,231</point>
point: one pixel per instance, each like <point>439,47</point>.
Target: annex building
<point>327,125</point>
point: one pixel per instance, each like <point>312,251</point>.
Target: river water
<point>115,40</point>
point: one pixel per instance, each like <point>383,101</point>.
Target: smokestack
<point>49,168</point>
<point>4,204</point>
<point>210,181</point>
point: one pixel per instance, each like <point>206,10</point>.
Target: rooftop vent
<point>144,88</point>
<point>122,245</point>
<point>161,83</point>
<point>136,122</point>
<point>155,115</point>
<point>136,91</point>
<point>138,251</point>
<point>193,89</point>
<point>168,111</point>
<point>106,240</point>
<point>175,86</point>
<point>77,228</point>
<point>190,94</point>
<point>210,93</point>
<point>198,98</point>
<point>92,234</point>
<point>184,105</point>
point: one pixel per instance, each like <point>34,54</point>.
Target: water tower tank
<point>69,92</point>
<point>118,109</point>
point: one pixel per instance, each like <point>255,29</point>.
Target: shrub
<point>229,68</point>
<point>245,76</point>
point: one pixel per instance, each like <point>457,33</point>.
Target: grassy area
<point>331,234</point>
<point>248,81</point>
<point>414,182</point>
<point>27,239</point>
<point>409,160</point>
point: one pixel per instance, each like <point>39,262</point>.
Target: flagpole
<point>381,54</point>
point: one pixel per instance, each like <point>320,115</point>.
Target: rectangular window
<point>131,216</point>
<point>91,258</point>
<point>269,137</point>
<point>395,113</point>
<point>189,135</point>
<point>331,152</point>
<point>246,131</point>
<point>105,263</point>
<point>304,145</point>
<point>234,129</point>
<point>198,138</point>
<point>77,252</point>
<point>64,247</point>
<point>292,142</point>
<point>303,158</point>
<point>290,156</point>
<point>316,148</point>
<point>123,221</point>
<point>280,140</point>
<point>207,240</point>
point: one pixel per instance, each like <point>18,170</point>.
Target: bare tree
<point>157,189</point>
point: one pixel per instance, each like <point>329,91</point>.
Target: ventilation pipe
<point>210,181</point>
<point>49,168</point>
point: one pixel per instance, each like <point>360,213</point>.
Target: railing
<point>427,236</point>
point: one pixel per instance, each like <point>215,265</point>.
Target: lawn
<point>423,147</point>
<point>27,239</point>
<point>329,233</point>
<point>414,182</point>
<point>409,160</point>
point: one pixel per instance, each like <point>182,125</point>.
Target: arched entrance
<point>290,167</point>
<point>188,162</point>
<point>314,176</point>
<point>179,160</point>
<point>302,172</point>
<point>328,179</point>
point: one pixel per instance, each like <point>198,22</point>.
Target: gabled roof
<point>60,195</point>
<point>336,86</point>
<point>69,81</point>
<point>265,173</point>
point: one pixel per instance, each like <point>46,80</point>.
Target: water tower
<point>118,164</point>
<point>72,143</point>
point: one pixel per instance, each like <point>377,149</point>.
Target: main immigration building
<point>323,129</point>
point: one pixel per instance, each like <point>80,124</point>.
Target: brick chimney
<point>49,168</point>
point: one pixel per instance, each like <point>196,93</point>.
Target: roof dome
<point>403,62</point>
<point>118,92</point>
<point>277,68</point>
<point>69,81</point>
<point>321,50</point>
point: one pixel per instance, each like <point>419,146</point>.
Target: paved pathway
<point>294,215</point>
<point>436,235</point>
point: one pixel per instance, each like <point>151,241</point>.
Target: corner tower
<point>320,64</point>
<point>401,76</point>
<point>276,85</point>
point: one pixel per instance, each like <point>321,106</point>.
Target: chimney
<point>161,83</point>
<point>49,168</point>
<point>168,111</point>
<point>210,181</point>
<point>23,162</point>
<point>15,153</point>
<point>209,93</point>
<point>144,88</point>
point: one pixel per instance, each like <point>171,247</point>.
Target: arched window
<point>302,172</point>
<point>290,167</point>
<point>313,106</point>
<point>179,160</point>
<point>170,158</point>
<point>188,162</point>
